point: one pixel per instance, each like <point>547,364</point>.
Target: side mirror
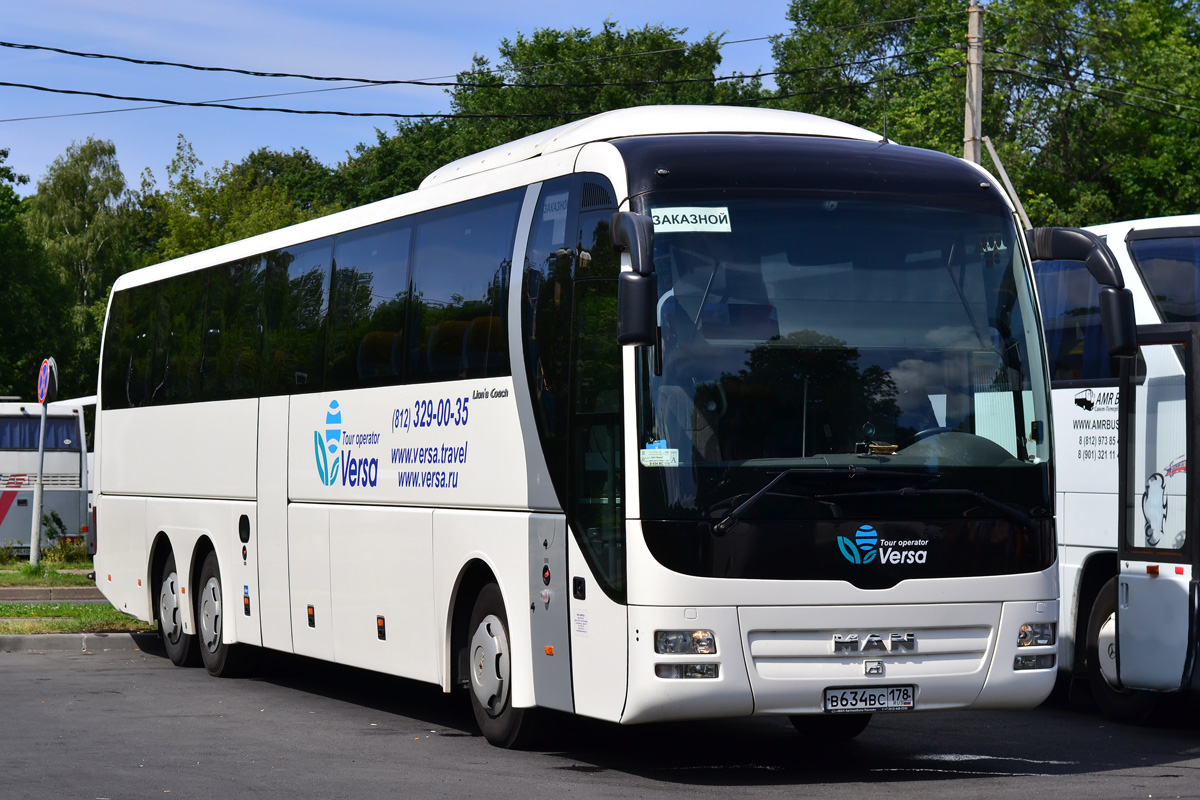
<point>637,291</point>
<point>637,309</point>
<point>1116,302</point>
<point>1118,321</point>
<point>634,233</point>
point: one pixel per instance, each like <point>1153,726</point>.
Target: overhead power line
<point>441,81</point>
<point>1097,75</point>
<point>202,104</point>
<point>225,103</point>
<point>1095,91</point>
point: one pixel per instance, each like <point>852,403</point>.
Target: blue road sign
<point>43,380</point>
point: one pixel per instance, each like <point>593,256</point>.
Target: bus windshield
<point>800,332</point>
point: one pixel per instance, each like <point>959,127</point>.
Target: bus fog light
<point>687,670</point>
<point>1036,633</point>
<point>681,642</point>
<point>1045,661</point>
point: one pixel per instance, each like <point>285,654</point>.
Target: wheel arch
<point>474,575</point>
<point>1097,569</point>
<point>204,545</point>
<point>160,549</point>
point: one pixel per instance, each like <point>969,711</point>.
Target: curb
<point>73,642</point>
<point>51,594</point>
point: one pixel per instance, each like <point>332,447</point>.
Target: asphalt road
<point>128,724</point>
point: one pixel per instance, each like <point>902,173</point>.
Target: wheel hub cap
<point>489,664</point>
<point>210,615</point>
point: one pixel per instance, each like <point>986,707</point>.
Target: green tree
<point>1087,102</point>
<point>78,214</point>
<point>36,299</point>
<point>550,78</point>
<point>80,218</point>
<point>199,211</point>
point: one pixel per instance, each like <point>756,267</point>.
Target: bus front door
<point>1157,598</point>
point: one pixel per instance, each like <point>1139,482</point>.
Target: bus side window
<point>138,355</point>
<point>231,336</point>
<point>295,309</point>
<point>368,305</point>
<point>457,322</point>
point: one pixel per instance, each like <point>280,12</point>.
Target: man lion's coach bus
<point>669,413</point>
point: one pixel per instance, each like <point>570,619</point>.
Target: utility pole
<point>972,124</point>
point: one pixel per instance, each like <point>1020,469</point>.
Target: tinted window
<point>139,377</point>
<point>458,321</point>
<point>546,319</point>
<point>297,288</point>
<point>182,302</point>
<point>1171,267</point>
<point>367,306</point>
<point>231,338</point>
<point>1070,301</point>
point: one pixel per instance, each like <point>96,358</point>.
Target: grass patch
<point>46,576</point>
<point>27,618</point>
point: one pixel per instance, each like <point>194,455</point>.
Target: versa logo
<point>328,448</point>
<point>862,548</point>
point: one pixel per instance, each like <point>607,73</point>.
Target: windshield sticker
<point>657,454</point>
<point>554,209</point>
<point>687,219</point>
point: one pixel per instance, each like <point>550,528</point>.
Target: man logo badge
<point>874,643</point>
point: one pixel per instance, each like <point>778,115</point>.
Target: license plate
<point>875,698</point>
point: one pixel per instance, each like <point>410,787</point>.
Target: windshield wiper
<point>1011,512</point>
<point>852,471</point>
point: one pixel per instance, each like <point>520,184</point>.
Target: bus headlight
<point>1036,633</point>
<point>683,642</point>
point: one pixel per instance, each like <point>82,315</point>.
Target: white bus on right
<point>1130,603</point>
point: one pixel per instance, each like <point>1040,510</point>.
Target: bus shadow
<point>1055,739</point>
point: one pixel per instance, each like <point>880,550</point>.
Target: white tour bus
<point>1144,573</point>
<point>669,413</point>
<point>64,475</point>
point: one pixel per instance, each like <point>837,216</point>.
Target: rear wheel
<point>490,660</point>
<point>220,659</point>
<point>180,646</point>
<point>830,727</point>
<point>1130,706</point>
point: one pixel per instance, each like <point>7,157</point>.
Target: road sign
<point>47,389</point>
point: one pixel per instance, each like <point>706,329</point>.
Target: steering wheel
<point>925,434</point>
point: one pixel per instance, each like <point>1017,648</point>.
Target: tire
<point>830,727</point>
<point>180,646</point>
<point>220,659</point>
<point>489,650</point>
<point>1128,706</point>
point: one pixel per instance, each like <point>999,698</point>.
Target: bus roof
<point>648,121</point>
<point>1117,231</point>
<point>640,121</point>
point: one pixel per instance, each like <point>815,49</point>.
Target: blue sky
<point>370,38</point>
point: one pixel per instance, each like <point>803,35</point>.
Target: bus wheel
<point>220,659</point>
<point>491,673</point>
<point>1129,706</point>
<point>830,727</point>
<point>180,646</point>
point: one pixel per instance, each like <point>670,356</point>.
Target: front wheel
<point>1130,706</point>
<point>220,659</point>
<point>830,727</point>
<point>490,652</point>
<point>180,646</point>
